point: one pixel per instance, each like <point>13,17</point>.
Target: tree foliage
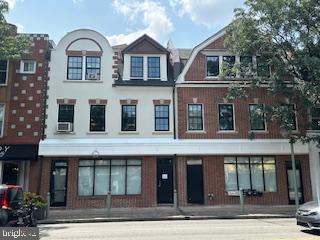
<point>286,35</point>
<point>11,46</point>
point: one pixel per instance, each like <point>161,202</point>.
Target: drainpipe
<point>175,175</point>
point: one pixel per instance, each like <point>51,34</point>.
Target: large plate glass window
<point>93,68</point>
<point>161,117</point>
<point>136,67</point>
<point>74,68</point>
<point>212,66</point>
<point>195,121</point>
<point>226,121</point>
<point>3,71</point>
<point>128,118</point>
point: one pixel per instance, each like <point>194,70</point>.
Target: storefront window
<point>96,177</point>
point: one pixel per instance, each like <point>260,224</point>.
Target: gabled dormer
<point>145,62</point>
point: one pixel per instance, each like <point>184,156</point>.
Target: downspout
<point>175,172</point>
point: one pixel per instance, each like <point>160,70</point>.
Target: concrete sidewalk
<point>167,213</point>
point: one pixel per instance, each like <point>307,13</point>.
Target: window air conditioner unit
<point>92,76</point>
<point>64,127</point>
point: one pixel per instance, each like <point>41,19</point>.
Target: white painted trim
<point>167,146</point>
<point>196,50</point>
<point>28,72</point>
<point>265,120</point>
<point>234,130</point>
<point>7,75</point>
<point>3,120</point>
<point>202,113</point>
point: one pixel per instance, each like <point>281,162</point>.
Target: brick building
<point>22,100</point>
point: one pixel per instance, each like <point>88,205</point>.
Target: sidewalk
<point>167,213</point>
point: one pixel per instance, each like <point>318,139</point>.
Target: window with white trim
<point>28,66</point>
<point>213,67</point>
<point>257,119</point>
<point>315,118</point>
<point>226,118</point>
<point>195,117</point>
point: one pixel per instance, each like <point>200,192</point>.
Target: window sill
<point>27,72</point>
<point>227,131</point>
<point>195,131</point>
<point>128,132</point>
<point>259,131</point>
<point>64,133</point>
<point>97,133</point>
<point>161,132</point>
<point>83,81</point>
<point>3,84</point>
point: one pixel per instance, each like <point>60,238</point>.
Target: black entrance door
<point>195,181</point>
<point>165,180</point>
<point>291,182</point>
<point>10,173</point>
<point>58,185</point>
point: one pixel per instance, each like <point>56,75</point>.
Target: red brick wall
<point>197,70</point>
<point>214,182</point>
<point>210,97</point>
<point>147,198</point>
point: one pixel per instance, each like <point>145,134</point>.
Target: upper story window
<point>66,113</point>
<point>226,120</point>
<point>289,116</point>
<point>263,68</point>
<point>257,120</point>
<point>97,118</point>
<point>153,67</point>
<point>1,119</point>
<point>315,118</point>
<point>128,120</point>
<point>28,66</point>
<point>74,68</point>
<point>93,68</point>
<point>136,70</point>
<point>3,71</point>
<point>228,64</point>
<point>212,66</point>
<point>246,65</point>
<point>161,117</point>
<point>195,117</point>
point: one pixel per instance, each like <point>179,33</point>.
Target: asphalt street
<point>184,230</point>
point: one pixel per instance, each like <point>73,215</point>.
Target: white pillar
<point>314,160</point>
<point>1,171</point>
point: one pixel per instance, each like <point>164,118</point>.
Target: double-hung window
<point>228,64</point>
<point>1,118</point>
<point>136,68</point>
<point>28,66</point>
<point>288,117</point>
<point>97,118</point>
<point>257,119</point>
<point>258,173</point>
<point>226,119</point>
<point>246,66</point>
<point>128,120</point>
<point>74,68</point>
<point>263,68</point>
<point>3,71</point>
<point>120,177</point>
<point>213,66</point>
<point>195,117</point>
<point>315,118</point>
<point>66,113</point>
<point>93,68</point>
<point>161,117</point>
<point>153,67</point>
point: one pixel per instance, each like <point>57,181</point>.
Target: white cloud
<point>206,12</point>
<point>150,13</point>
<point>77,1</point>
<point>12,3</point>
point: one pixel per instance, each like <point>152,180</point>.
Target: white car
<point>308,215</point>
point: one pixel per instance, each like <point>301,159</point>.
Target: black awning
<point>18,152</point>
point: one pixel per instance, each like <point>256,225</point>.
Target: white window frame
<point>7,73</point>
<point>22,62</point>
<point>233,116</point>
<point>203,125</point>
<point>2,125</point>
<point>264,119</point>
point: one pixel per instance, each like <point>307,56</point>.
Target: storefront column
<point>1,171</point>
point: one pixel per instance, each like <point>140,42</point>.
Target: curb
<point>169,218</point>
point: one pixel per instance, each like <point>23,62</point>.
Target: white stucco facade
<point>59,87</point>
<point>314,158</point>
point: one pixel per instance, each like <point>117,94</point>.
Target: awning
<point>18,152</point>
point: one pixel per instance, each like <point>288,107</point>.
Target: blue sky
<point>185,22</point>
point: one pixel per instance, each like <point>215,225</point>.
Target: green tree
<point>285,34</point>
<point>11,46</point>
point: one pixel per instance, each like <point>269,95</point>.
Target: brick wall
<point>210,97</point>
<point>214,182</point>
<point>147,198</point>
